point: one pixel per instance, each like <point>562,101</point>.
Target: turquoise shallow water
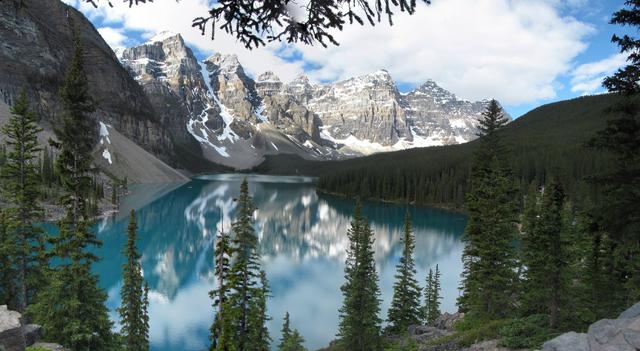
<point>302,242</point>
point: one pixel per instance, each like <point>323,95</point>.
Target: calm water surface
<point>302,242</point>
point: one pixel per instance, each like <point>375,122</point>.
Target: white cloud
<point>168,15</point>
<point>587,78</point>
<point>115,37</point>
<point>510,50</point>
<point>513,50</point>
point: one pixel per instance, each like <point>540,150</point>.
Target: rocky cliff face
<point>156,95</point>
<point>35,49</point>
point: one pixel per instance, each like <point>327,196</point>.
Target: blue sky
<point>524,53</point>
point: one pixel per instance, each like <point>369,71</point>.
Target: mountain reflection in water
<point>302,240</point>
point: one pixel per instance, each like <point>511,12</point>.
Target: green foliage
<point>133,317</point>
<point>548,138</point>
<point>489,258</point>
<point>7,268</point>
<point>405,304</point>
<point>470,333</point>
<point>545,256</point>
<point>243,312</point>
<point>219,295</point>
<point>359,328</point>
<point>405,344</point>
<point>619,212</point>
<point>20,187</point>
<point>71,309</point>
<point>526,333</point>
<point>431,309</point>
<point>291,339</point>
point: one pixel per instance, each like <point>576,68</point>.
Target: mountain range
<point>202,116</point>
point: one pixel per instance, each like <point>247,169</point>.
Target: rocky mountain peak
<point>224,64</point>
<point>432,89</point>
<point>268,76</point>
<point>163,36</point>
<point>268,83</point>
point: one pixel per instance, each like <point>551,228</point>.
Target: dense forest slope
<point>548,139</point>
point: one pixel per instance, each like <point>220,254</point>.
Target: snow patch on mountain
<point>162,36</point>
<point>105,141</point>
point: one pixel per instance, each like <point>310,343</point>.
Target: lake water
<point>302,239</point>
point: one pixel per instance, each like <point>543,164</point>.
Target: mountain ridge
<point>241,119</point>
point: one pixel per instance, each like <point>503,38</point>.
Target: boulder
<point>32,333</point>
<point>631,312</point>
<point>489,345</point>
<point>448,320</point>
<point>11,336</point>
<point>621,334</point>
<point>423,332</point>
<point>571,341</point>
<point>50,346</point>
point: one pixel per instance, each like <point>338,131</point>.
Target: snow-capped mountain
<point>237,120</point>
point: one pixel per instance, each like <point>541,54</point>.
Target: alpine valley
<point>159,108</point>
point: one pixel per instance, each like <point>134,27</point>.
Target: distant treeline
<point>549,140</point>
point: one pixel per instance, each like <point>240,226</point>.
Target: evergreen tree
<point>405,304</point>
<point>546,258</point>
<point>432,296</point>
<point>286,332</point>
<point>489,260</point>
<point>244,311</point>
<point>258,336</point>
<point>7,266</point>
<point>620,213</point>
<point>428,297</point>
<point>359,328</point>
<point>133,317</point>
<point>291,340</point>
<point>71,309</point>
<point>223,253</point>
<point>20,187</point>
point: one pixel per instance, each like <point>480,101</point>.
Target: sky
<point>524,53</point>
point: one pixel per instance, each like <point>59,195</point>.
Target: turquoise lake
<point>302,238</point>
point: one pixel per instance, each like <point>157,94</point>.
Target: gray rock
<point>424,333</point>
<point>571,341</point>
<point>50,346</point>
<point>11,337</point>
<point>448,320</point>
<point>32,333</point>
<point>604,330</point>
<point>618,343</point>
<point>631,312</point>
<point>489,345</point>
<point>37,45</point>
<point>632,337</point>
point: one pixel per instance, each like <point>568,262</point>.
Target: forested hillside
<point>548,140</point>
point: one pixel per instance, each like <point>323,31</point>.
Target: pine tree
<point>286,332</point>
<point>132,311</point>
<point>428,297</point>
<point>620,213</point>
<point>244,311</point>
<point>489,260</point>
<point>223,253</point>
<point>431,309</point>
<point>72,308</point>
<point>258,336</point>
<point>359,328</point>
<point>291,340</point>
<point>405,304</point>
<point>20,187</point>
<point>7,265</point>
<point>434,305</point>
<point>546,257</point>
